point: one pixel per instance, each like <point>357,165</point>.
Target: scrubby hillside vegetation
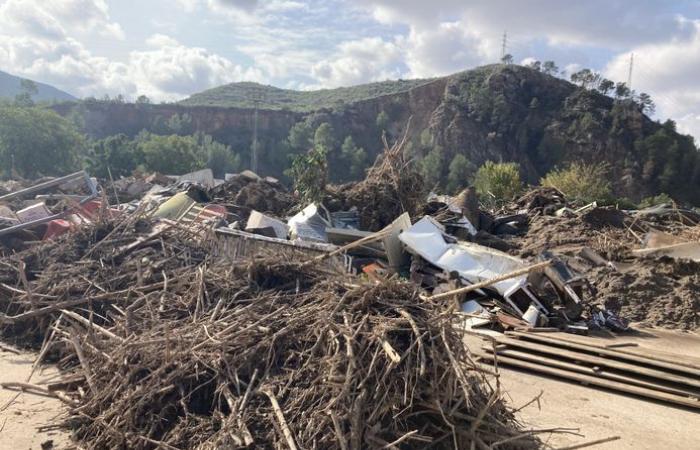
<point>549,128</point>
<point>247,95</point>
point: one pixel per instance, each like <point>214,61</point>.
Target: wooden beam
<point>595,381</point>
<point>487,283</point>
<point>591,371</point>
<point>599,361</point>
<point>614,353</point>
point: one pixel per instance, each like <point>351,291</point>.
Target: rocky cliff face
<point>513,113</point>
<point>225,124</point>
<point>498,113</point>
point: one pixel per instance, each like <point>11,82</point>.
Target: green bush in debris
<point>309,174</point>
<point>655,200</point>
<point>581,182</point>
<point>498,181</point>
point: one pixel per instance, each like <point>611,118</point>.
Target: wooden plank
<point>599,361</point>
<point>669,358</point>
<point>591,371</point>
<point>614,353</point>
<point>595,381</point>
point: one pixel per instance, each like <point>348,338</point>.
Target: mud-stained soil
<point>654,291</point>
<point>660,292</point>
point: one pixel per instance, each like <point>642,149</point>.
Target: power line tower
<point>256,98</point>
<point>629,75</point>
<point>504,44</point>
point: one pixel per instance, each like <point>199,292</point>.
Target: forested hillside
<point>500,113</point>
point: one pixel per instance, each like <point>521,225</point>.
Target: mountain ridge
<point>246,94</point>
<point>10,86</point>
<point>490,113</point>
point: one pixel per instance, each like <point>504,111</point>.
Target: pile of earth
<point>661,292</point>
<point>246,194</point>
<point>377,203</point>
<point>601,229</point>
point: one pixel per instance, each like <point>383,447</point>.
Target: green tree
<point>220,158</point>
<point>646,104</point>
<point>550,68</point>
<point>180,124</point>
<point>507,59</point>
<point>498,181</point>
<point>622,91</point>
<point>27,90</point>
<point>301,136</point>
<point>432,166</point>
<point>117,153</point>
<point>535,65</point>
<point>171,154</point>
<point>585,78</point>
<point>324,138</point>
<point>605,86</point>
<point>309,174</point>
<point>355,157</point>
<point>38,141</point>
<point>143,100</point>
<point>382,121</point>
<point>458,174</point>
<point>581,182</point>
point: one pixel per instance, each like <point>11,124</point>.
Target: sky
<point>169,49</point>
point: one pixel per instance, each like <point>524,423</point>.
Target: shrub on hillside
<point>498,181</point>
<point>581,182</point>
<point>655,200</point>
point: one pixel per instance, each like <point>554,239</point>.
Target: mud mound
<point>539,200</point>
<point>378,203</point>
<point>559,234</point>
<point>605,217</point>
<point>659,292</point>
<point>260,195</point>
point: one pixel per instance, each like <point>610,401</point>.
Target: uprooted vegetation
<point>391,187</point>
<point>185,352</point>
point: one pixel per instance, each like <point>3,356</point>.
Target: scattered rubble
<point>242,193</point>
<point>200,313</point>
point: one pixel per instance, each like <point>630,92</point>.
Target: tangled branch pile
<point>392,186</point>
<point>164,347</point>
<point>246,193</point>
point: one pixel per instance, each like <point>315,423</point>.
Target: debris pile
<point>392,186</point>
<point>203,313</point>
<point>164,347</point>
<point>244,192</point>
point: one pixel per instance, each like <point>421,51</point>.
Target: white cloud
<point>668,72</point>
<point>369,59</point>
<point>85,16</point>
<point>173,70</point>
<point>445,48</point>
<point>247,5</point>
<point>189,5</point>
<point>326,43</point>
<point>161,40</point>
<point>27,18</point>
<point>35,44</point>
<point>594,22</point>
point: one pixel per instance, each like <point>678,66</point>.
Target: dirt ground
<point>641,424</point>
<point>21,415</point>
